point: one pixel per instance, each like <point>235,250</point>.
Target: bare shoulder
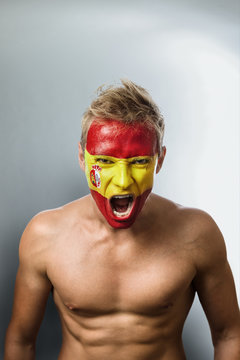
<point>43,231</point>
<point>41,226</point>
<point>36,240</point>
<point>208,242</point>
<point>195,229</point>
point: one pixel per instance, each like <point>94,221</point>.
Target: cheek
<point>106,176</point>
<point>144,178</point>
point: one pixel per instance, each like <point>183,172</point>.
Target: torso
<point>123,294</point>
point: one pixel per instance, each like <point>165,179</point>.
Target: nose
<point>122,177</point>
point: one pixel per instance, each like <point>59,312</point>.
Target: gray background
<point>54,54</point>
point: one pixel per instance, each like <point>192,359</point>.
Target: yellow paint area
<point>120,176</point>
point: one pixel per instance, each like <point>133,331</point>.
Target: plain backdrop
<point>53,56</point>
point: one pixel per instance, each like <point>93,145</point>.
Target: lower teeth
<point>121,214</point>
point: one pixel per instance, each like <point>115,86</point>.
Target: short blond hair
<point>127,103</point>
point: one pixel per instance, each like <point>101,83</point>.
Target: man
<point>123,264</point>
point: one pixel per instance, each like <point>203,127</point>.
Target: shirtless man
<point>123,264</point>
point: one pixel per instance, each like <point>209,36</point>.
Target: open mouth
<point>121,204</point>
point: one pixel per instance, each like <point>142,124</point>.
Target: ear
<point>81,159</point>
<point>161,159</point>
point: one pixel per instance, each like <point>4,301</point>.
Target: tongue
<point>121,205</point>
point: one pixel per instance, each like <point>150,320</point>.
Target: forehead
<point>115,138</point>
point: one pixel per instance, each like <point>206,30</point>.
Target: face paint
<point>120,161</point>
<point>95,176</point>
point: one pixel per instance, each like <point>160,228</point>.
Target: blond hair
<point>127,103</point>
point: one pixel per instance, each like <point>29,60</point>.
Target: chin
<point>120,220</point>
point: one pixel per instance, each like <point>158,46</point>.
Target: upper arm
<point>214,282</point>
<point>32,284</point>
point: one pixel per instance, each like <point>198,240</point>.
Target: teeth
<point>122,214</point>
<point>122,196</point>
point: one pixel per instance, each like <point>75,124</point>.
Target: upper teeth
<point>121,196</point>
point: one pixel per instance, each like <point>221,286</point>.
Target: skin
<point>123,293</point>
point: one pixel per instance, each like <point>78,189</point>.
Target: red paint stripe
<point>120,140</point>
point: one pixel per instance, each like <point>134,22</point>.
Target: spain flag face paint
<point>119,164</point>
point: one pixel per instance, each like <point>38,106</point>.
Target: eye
<point>140,161</point>
<point>104,161</point>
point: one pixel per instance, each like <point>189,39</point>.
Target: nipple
<point>70,306</point>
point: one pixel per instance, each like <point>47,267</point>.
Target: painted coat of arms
<point>95,176</point>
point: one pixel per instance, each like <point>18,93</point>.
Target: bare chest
<point>102,278</point>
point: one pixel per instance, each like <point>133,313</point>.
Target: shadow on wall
<point>196,334</point>
<point>49,337</point>
<point>8,269</point>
